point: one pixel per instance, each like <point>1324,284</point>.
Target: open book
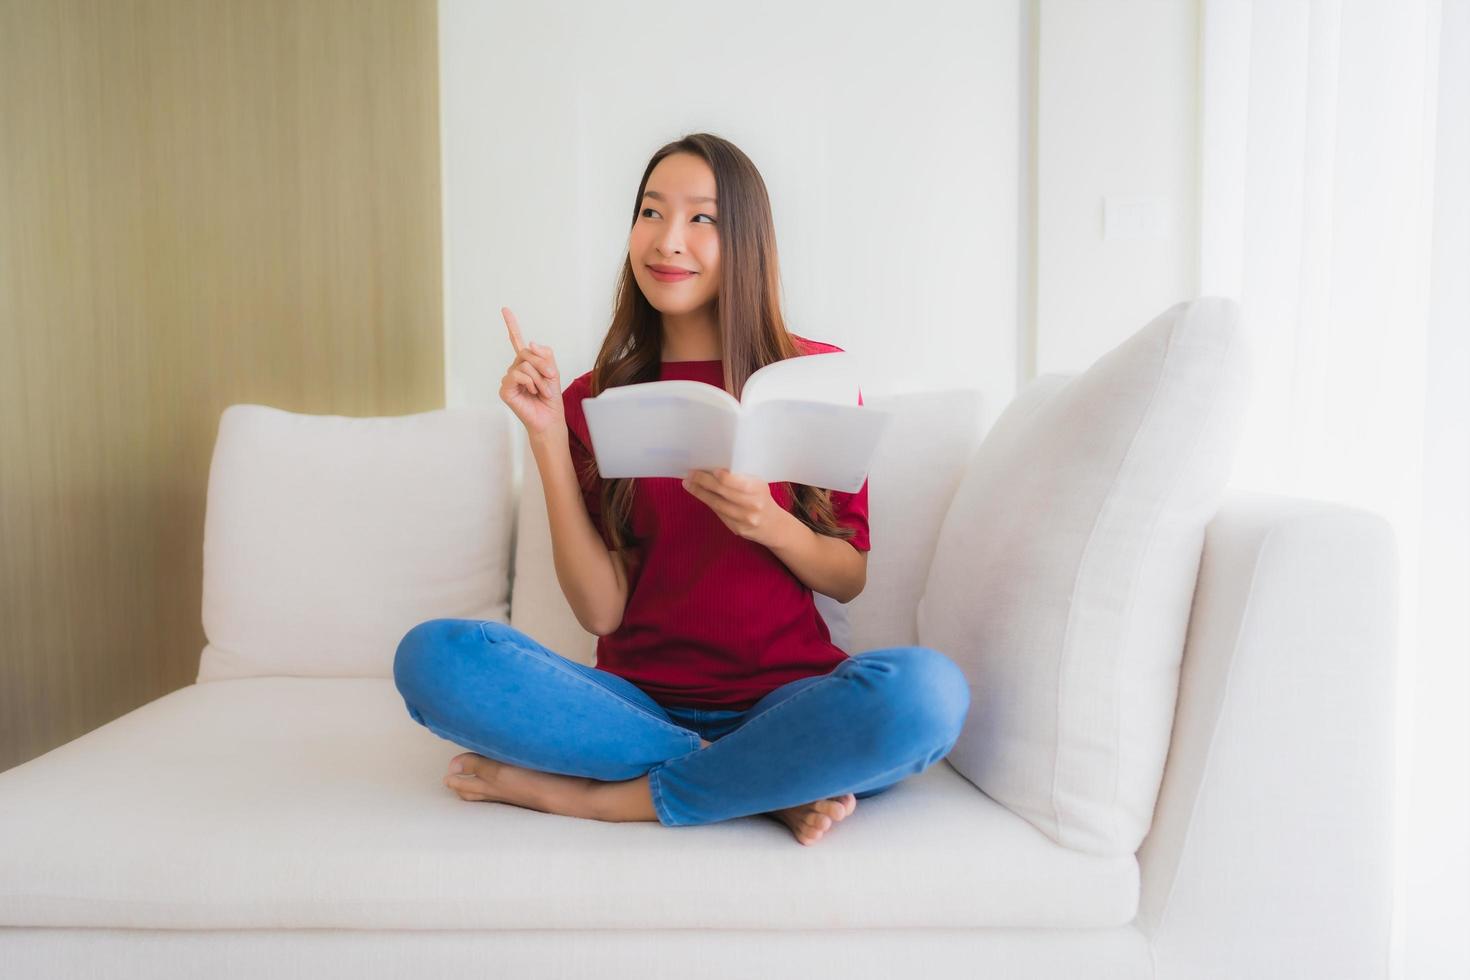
<point>798,420</point>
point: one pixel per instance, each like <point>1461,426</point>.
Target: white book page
<point>816,443</point>
<point>829,377</point>
<point>661,428</point>
<point>799,422</point>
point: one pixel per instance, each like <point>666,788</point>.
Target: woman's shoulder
<point>577,389</point>
<point>807,346</point>
<point>572,395</point>
<point>821,347</point>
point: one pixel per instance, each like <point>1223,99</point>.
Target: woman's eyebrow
<point>659,197</point>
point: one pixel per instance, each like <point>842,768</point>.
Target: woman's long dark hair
<point>748,309</point>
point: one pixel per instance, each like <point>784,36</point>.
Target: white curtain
<point>1334,179</point>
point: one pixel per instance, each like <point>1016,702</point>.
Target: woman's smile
<point>662,276</point>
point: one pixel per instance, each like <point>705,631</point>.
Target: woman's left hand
<point>744,503</point>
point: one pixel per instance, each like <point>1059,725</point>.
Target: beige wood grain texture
<point>201,203</point>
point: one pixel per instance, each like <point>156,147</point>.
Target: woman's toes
<point>834,810</point>
<point>461,784</point>
<point>467,776</point>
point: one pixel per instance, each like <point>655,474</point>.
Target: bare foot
<point>477,778</point>
<point>809,821</point>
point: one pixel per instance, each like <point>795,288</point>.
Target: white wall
<point>1115,118</point>
<point>918,224</point>
<point>889,148</point>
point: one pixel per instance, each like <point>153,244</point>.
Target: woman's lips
<point>670,276</point>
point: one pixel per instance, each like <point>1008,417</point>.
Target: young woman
<point>717,692</point>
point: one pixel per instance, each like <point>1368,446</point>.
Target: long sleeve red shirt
<point>713,620</point>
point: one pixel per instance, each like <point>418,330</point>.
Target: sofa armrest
<point>1270,851</point>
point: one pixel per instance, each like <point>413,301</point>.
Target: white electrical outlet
<point>1134,218</point>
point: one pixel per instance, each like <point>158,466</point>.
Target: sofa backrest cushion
<point>1064,574</point>
<point>326,538</point>
<point>917,468</point>
<point>915,471</point>
<point>538,607</point>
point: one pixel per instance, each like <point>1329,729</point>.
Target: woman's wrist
<point>553,437</point>
<point>788,533</point>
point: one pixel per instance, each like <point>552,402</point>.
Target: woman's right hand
<point>532,384</point>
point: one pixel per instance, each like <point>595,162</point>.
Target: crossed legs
<point>553,735</point>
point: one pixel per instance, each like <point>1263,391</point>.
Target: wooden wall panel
<point>201,203</point>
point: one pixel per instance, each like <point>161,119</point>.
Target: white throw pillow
<point>326,538</point>
<point>1066,566</point>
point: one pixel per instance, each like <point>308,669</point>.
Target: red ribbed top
<point>713,620</point>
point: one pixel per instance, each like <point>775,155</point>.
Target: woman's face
<point>677,228</point>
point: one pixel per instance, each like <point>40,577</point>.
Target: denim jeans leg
<point>711,724</point>
<point>496,691</point>
<point>787,690</point>
<point>876,718</point>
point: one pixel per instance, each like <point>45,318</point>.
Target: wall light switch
<point>1135,218</point>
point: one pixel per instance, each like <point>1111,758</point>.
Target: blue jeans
<point>873,720</point>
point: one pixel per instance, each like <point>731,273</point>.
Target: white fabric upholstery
<point>919,463</point>
<point>316,803</point>
<point>553,954</point>
<point>1270,852</point>
<point>296,826</point>
<point>326,538</point>
<point>538,607</point>
<point>1063,576</point>
<point>1269,845</point>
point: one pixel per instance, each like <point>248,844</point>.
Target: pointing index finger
<point>513,328</point>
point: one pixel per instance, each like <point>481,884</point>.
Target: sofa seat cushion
<point>304,802</point>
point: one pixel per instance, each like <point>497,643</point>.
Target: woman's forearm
<point>824,564</point>
<point>585,569</point>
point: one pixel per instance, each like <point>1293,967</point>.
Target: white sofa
<point>285,817</point>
